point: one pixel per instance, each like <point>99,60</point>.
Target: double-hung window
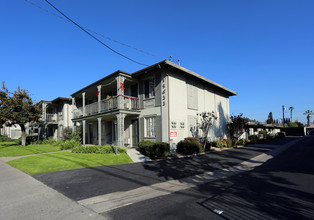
<point>150,127</point>
<point>149,88</point>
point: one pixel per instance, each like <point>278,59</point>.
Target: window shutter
<point>158,130</point>
<point>141,94</point>
<point>158,90</point>
<point>141,129</point>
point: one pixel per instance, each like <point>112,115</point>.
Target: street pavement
<point>281,188</point>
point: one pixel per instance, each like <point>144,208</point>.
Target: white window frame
<point>149,125</point>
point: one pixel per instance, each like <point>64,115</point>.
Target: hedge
<point>153,149</point>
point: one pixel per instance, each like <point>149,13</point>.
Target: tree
<point>237,126</point>
<point>270,119</point>
<point>308,114</point>
<point>206,121</point>
<point>18,108</point>
<point>291,109</point>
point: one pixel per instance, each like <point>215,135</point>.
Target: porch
<point>121,129</point>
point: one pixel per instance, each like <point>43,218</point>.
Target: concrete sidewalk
<point>23,197</point>
<point>136,156</point>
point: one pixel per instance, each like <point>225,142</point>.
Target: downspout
<point>168,88</point>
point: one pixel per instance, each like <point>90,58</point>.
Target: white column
<point>120,92</point>
<point>83,97</point>
<point>120,129</point>
<point>84,130</point>
<point>44,111</point>
<point>99,97</point>
<point>99,131</point>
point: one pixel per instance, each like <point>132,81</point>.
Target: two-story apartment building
<point>56,116</point>
<point>158,103</point>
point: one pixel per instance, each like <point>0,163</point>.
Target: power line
<point>120,54</point>
<point>101,35</point>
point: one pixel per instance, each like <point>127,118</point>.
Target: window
<point>149,88</point>
<point>150,127</point>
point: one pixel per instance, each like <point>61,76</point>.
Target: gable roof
<point>187,71</point>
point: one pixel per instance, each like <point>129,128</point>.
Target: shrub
<point>153,150</point>
<point>263,132</point>
<point>105,149</point>
<point>242,141</point>
<point>5,138</point>
<point>191,139</point>
<point>68,144</point>
<point>220,143</point>
<point>188,147</point>
<point>227,143</point>
<point>30,139</point>
<point>253,137</point>
<point>281,134</point>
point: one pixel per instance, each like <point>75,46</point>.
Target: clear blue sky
<point>264,50</point>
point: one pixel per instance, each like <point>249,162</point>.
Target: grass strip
<point>66,161</point>
<point>10,149</point>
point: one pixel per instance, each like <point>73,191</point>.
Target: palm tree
<point>291,109</point>
<point>308,113</point>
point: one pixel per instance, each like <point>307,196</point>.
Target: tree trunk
<point>23,135</point>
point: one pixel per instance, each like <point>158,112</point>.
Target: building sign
<point>173,134</point>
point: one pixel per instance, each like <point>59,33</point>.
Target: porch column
<point>73,109</point>
<point>44,111</point>
<point>84,130</point>
<point>99,131</point>
<point>99,97</point>
<point>120,92</point>
<point>120,129</point>
<point>83,97</point>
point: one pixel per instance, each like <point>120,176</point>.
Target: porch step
<point>136,156</point>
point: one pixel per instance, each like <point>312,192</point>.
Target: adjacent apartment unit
<point>157,103</point>
<point>56,116</point>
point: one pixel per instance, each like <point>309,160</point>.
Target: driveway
<point>84,183</point>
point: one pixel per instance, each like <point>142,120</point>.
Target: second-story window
<point>149,88</point>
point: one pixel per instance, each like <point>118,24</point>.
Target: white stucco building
<point>157,103</point>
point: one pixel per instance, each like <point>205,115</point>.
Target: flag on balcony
<point>122,85</point>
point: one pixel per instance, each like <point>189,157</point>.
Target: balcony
<point>52,118</point>
<point>106,105</point>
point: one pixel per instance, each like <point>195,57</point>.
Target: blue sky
<point>262,49</point>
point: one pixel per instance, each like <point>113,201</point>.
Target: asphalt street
<point>282,188</point>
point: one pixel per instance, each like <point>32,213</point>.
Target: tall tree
<point>18,108</point>
<point>308,114</point>
<point>270,119</point>
<point>291,109</point>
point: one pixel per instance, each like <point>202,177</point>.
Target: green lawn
<point>65,161</point>
<point>10,149</point>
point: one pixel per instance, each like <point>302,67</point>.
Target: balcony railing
<point>130,103</point>
<point>51,117</point>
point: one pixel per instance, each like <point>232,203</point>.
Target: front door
<point>135,132</point>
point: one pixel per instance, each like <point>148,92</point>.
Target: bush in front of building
<point>189,147</point>
<point>4,138</point>
<point>153,150</point>
<point>30,139</point>
<point>105,149</point>
<point>281,134</point>
<point>69,144</point>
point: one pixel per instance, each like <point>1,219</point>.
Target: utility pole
<point>283,115</point>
